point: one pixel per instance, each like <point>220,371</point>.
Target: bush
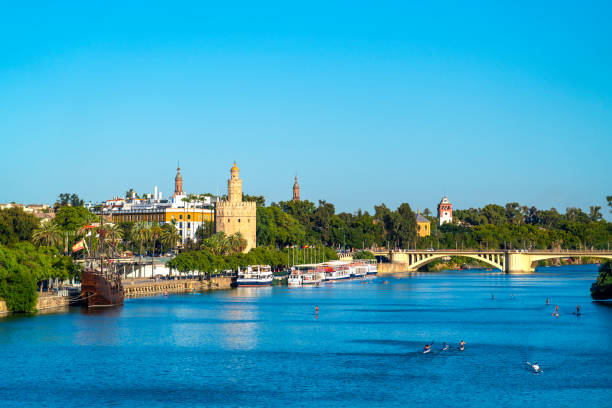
<point>18,289</point>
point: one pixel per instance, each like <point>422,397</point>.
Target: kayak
<point>426,351</point>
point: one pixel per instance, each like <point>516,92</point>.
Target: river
<point>267,346</point>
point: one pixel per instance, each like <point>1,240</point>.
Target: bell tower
<point>296,190</point>
<point>178,182</point>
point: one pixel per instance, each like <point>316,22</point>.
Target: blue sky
<point>367,102</point>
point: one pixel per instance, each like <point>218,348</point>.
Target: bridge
<point>509,261</point>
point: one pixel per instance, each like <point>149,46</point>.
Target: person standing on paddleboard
<point>462,345</point>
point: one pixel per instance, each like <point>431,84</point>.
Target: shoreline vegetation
<point>35,254</point>
<point>602,288</point>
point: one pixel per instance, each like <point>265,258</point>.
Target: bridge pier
<point>519,263</point>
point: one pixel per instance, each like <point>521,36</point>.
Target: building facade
<point>234,215</point>
<point>186,214</point>
<point>445,211</point>
<point>296,190</point>
<point>423,226</point>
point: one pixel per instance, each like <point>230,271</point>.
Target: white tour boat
<point>255,275</point>
<point>336,270</point>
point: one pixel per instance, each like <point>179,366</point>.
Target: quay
<point>150,287</point>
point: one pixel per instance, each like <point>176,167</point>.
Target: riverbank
<point>149,287</point>
<point>49,303</point>
<point>46,303</point>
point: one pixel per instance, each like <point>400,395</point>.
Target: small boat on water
<point>255,275</point>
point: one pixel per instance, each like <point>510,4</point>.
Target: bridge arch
<point>496,261</point>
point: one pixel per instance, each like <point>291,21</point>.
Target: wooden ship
<point>100,286</point>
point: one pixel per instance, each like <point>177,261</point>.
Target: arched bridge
<point>508,261</point>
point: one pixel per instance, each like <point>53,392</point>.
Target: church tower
<point>234,215</point>
<point>296,190</point>
<point>178,183</point>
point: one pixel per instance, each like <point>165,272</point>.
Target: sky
<point>366,102</point>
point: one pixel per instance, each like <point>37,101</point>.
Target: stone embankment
<point>45,304</point>
<point>135,288</point>
<point>391,268</point>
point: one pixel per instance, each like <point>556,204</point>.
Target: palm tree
<point>218,244</point>
<point>140,232</point>
<point>171,237</point>
<point>155,232</point>
<point>237,243</point>
<point>112,235</point>
<point>47,233</point>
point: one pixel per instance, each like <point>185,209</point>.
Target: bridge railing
<point>499,251</point>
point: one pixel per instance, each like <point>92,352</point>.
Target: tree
<point>595,213</point>
<point>170,236</point>
<point>131,192</point>
<point>237,243</point>
<point>259,200</point>
<point>140,234</point>
<point>155,232</point>
<point>47,234</point>
<point>65,199</point>
<point>609,199</point>
<point>16,225</point>
<point>205,230</point>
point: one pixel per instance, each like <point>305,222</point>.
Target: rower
<point>577,309</point>
<point>556,312</point>
<point>316,309</point>
<point>547,301</point>
<point>444,346</point>
<point>462,345</point>
<point>536,368</point>
<point>427,348</point>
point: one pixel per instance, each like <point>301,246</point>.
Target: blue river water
<point>267,346</point>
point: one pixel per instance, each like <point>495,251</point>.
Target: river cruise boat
<point>359,269</point>
<point>336,270</point>
<point>308,274</point>
<point>372,266</point>
<point>255,275</point>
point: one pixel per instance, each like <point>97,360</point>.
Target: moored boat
<point>336,270</point>
<point>358,269</point>
<point>101,289</point>
<point>372,267</point>
<point>307,274</point>
<point>255,275</point>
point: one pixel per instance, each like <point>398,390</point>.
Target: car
<point>430,250</point>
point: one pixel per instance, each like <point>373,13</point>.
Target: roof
<point>420,218</point>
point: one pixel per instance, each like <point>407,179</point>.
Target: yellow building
<point>235,215</point>
<point>187,216</point>
<point>423,226</point>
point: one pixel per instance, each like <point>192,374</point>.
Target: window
<point>238,219</point>
<point>188,225</point>
<point>180,217</point>
<point>180,225</point>
<point>189,216</point>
